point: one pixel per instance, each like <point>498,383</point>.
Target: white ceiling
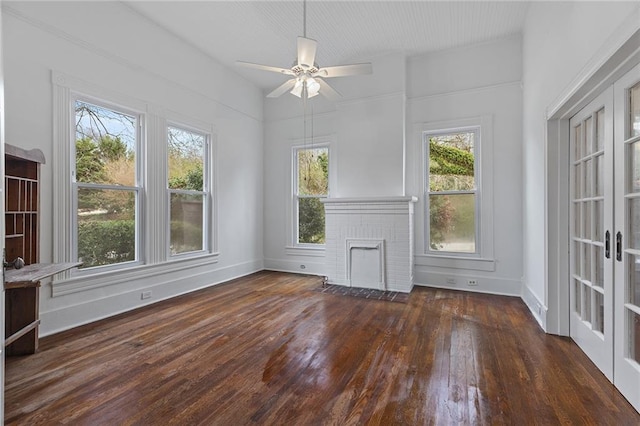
<point>347,31</point>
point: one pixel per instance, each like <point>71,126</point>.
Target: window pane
<point>105,145</point>
<point>451,162</point>
<point>186,159</point>
<point>106,226</point>
<point>313,171</point>
<point>310,221</point>
<point>187,232</point>
<point>452,223</point>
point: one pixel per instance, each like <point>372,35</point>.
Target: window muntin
<point>451,191</point>
<point>106,185</point>
<point>187,154</point>
<point>311,173</point>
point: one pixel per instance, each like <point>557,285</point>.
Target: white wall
<point>466,83</point>
<point>367,129</point>
<point>560,38</point>
<point>378,152</point>
<point>106,45</point>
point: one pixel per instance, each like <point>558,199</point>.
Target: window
<point>452,191</point>
<point>311,184</point>
<point>107,187</point>
<point>187,188</point>
<point>133,187</point>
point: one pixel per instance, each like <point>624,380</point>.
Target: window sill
<point>457,262</point>
<point>305,251</point>
<point>87,281</point>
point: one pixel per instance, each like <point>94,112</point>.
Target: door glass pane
<point>588,140</point>
<point>634,336</point>
<point>577,288</point>
<point>577,223</point>
<point>452,222</point>
<point>576,258</point>
<point>634,111</point>
<point>598,317</point>
<point>587,303</point>
<point>588,165</point>
<point>577,143</point>
<point>600,130</point>
<point>577,181</point>
<point>598,278</point>
<point>586,214</point>
<point>634,223</point>
<point>599,175</point>
<point>598,219</point>
<point>635,167</point>
<point>586,264</point>
<point>634,280</point>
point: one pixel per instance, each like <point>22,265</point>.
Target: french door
<point>627,222</point>
<point>605,235</point>
<point>591,292</point>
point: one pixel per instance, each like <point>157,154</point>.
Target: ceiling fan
<point>307,77</point>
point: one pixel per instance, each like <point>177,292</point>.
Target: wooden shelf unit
<point>22,207</point>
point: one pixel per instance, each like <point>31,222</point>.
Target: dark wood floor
<point>266,349</point>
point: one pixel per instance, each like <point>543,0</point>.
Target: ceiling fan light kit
<point>308,77</point>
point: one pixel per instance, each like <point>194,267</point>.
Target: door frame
<point>620,53</point>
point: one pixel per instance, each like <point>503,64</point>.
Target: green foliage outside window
<point>313,184</point>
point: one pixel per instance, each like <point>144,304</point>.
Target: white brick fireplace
<point>369,242</point>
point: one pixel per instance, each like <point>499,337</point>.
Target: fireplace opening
<point>365,263</point>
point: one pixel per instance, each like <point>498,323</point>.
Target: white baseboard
<point>311,266</point>
<point>537,308</point>
<point>68,317</point>
<point>457,281</point>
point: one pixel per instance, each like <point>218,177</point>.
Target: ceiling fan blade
<point>328,91</point>
<point>284,87</point>
<point>265,67</point>
<point>345,70</point>
<point>306,51</point>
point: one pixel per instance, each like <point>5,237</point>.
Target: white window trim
<point>153,261</point>
<point>483,259</point>
<point>293,247</point>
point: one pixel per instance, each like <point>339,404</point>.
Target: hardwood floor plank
<point>266,349</point>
